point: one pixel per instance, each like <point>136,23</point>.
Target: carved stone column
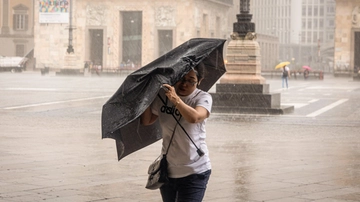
<point>5,28</point>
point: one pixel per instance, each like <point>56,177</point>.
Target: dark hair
<point>200,71</point>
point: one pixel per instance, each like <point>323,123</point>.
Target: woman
<point>285,76</point>
<point>188,171</point>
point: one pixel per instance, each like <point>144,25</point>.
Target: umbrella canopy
<point>120,114</point>
<point>306,67</point>
<point>281,65</point>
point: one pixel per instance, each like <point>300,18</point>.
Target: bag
<point>285,73</point>
<point>158,174</point>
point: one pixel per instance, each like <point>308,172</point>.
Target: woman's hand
<point>171,94</point>
<point>192,115</point>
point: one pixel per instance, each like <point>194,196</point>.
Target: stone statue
<point>244,6</point>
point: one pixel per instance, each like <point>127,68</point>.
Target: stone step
<point>246,100</point>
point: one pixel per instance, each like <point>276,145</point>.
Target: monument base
<point>70,66</point>
<point>243,63</point>
<point>247,99</point>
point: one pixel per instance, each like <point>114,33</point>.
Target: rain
<point>63,62</point>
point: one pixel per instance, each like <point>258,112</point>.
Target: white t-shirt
<point>183,160</point>
<point>286,68</point>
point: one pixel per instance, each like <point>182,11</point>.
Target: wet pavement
<point>51,147</point>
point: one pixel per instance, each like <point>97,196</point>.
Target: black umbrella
<point>120,114</point>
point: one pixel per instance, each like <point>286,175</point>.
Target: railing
<point>294,74</point>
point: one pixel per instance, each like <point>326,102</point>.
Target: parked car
<point>13,64</point>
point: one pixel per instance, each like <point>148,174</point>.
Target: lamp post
<point>70,48</point>
<point>244,24</point>
<point>300,58</point>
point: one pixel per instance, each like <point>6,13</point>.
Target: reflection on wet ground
<point>271,159</point>
<point>54,152</point>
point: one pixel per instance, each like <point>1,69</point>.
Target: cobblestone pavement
<point>51,147</point>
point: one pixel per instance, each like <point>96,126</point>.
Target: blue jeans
<point>285,80</point>
<point>186,189</point>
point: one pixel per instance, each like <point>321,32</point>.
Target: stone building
<point>116,33</point>
<point>305,29</point>
<point>16,27</point>
<point>347,37</point>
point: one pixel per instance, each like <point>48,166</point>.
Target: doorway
<point>96,46</point>
<point>131,38</point>
<point>165,39</point>
<point>357,52</point>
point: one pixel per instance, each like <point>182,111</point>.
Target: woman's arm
<point>147,118</point>
<point>190,114</point>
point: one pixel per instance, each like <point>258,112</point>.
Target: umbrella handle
<point>166,89</point>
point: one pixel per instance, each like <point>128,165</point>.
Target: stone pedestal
<point>243,63</point>
<point>242,89</point>
<point>247,99</point>
<point>70,66</point>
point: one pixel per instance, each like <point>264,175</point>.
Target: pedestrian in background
<point>285,76</point>
<point>306,74</point>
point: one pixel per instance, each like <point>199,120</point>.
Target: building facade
<point>116,33</point>
<point>16,27</point>
<point>305,29</point>
<point>347,37</point>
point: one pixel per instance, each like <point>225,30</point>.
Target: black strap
<point>198,150</point>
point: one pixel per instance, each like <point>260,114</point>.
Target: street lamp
<point>70,48</point>
<point>244,24</point>
<point>300,58</point>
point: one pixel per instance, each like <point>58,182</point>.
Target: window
<point>304,10</point>
<point>303,37</point>
<point>20,22</point>
<point>330,36</point>
<point>315,37</point>
<point>321,23</point>
<point>321,11</point>
<point>309,11</point>
<point>316,13</point>
<point>331,9</point>
<point>315,24</point>
<point>331,23</point>
<point>309,24</point>
<point>20,50</point>
<point>303,24</point>
<point>321,34</point>
<point>20,18</point>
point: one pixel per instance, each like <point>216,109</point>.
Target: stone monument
<point>242,89</point>
<point>70,59</point>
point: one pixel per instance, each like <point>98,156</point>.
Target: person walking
<point>188,171</point>
<point>306,74</point>
<point>285,76</point>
